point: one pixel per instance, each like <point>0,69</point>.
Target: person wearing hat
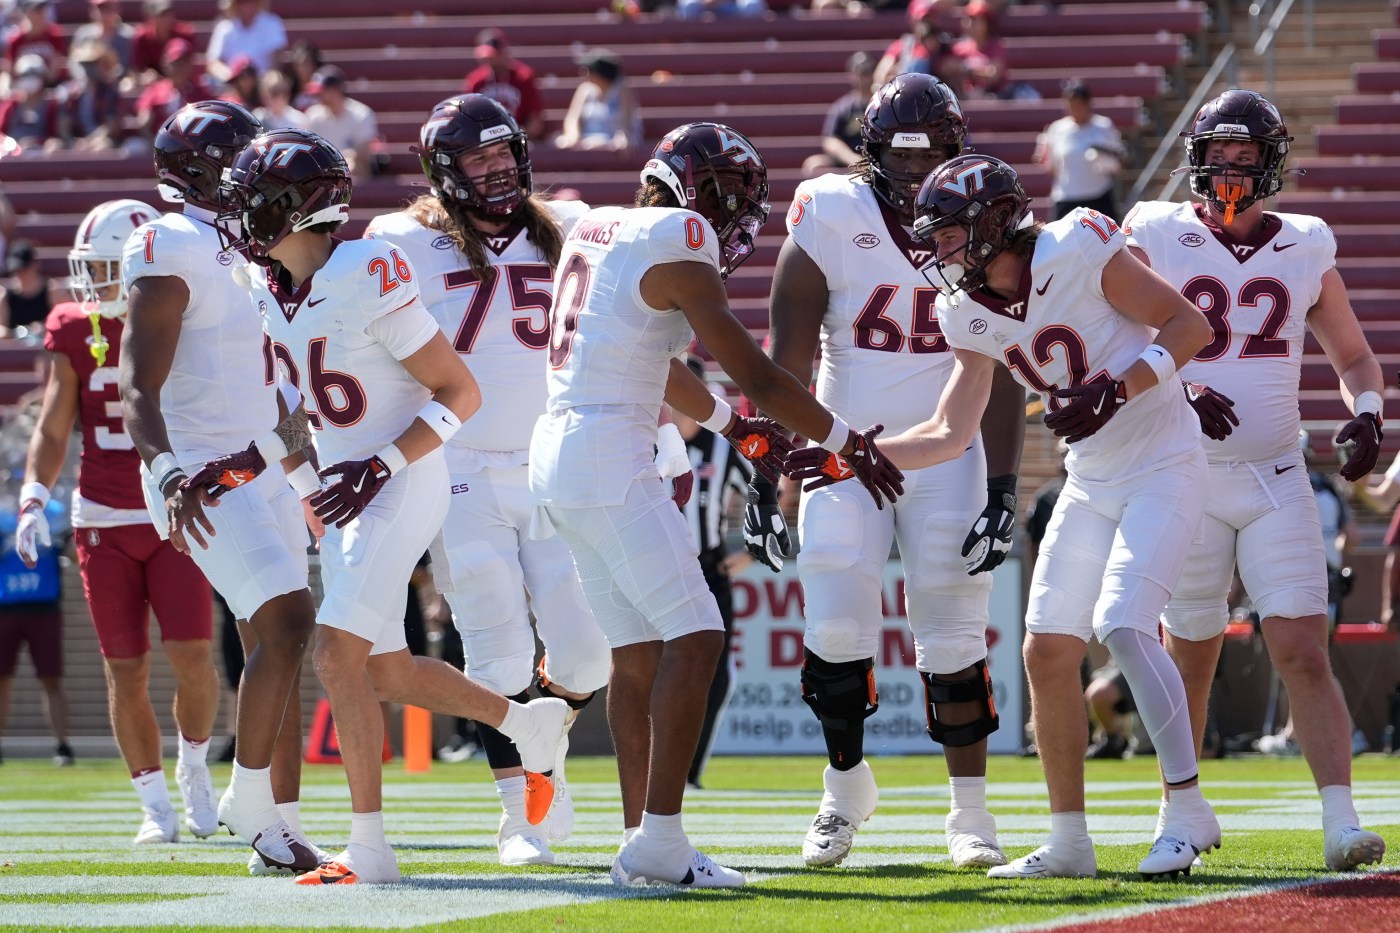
<point>94,95</point>
<point>159,29</point>
<point>31,115</point>
<point>106,26</point>
<point>982,53</point>
<point>248,28</point>
<point>927,48</point>
<point>25,300</point>
<point>1085,152</point>
<point>342,121</point>
<point>179,87</point>
<point>603,113</point>
<point>242,86</point>
<point>35,34</point>
<point>506,80</point>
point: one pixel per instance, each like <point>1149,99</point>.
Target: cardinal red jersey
<point>109,473</point>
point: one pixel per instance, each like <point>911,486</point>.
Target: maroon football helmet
<point>1237,115</point>
<point>911,111</point>
<point>457,126</point>
<point>282,182</point>
<point>195,145</point>
<point>695,152</point>
<point>983,196</point>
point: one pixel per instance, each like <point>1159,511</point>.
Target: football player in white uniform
<point>1264,278</point>
<point>634,285</point>
<point>388,390</point>
<point>1072,315</point>
<point>194,385</point>
<point>848,278</point>
<point>485,250</point>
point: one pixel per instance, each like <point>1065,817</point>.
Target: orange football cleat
<point>329,873</point>
<point>539,797</point>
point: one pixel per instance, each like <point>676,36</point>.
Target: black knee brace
<point>976,689</point>
<point>546,688</point>
<point>501,752</point>
<point>841,693</point>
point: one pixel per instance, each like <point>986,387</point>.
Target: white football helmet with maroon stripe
<point>94,262</point>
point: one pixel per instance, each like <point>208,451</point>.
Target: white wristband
<point>304,480</point>
<point>719,418</point>
<point>272,447</point>
<point>840,434</point>
<point>441,419</point>
<point>1367,401</point>
<point>163,468</point>
<point>1161,362</point>
<point>393,458</point>
<point>36,492</point>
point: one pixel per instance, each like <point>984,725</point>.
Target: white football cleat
<point>972,839</point>
<point>635,865</point>
<point>849,799</point>
<point>519,843</point>
<point>197,789</point>
<point>1349,847</point>
<point>538,744</point>
<point>261,869</point>
<point>1186,834</point>
<point>358,864</point>
<point>1051,861</point>
<point>559,824</point>
<point>161,824</point>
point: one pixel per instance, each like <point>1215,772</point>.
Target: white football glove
<point>672,457</point>
<point>33,531</point>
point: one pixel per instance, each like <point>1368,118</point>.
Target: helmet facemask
<point>900,190</point>
<point>89,277</point>
<point>1222,184</point>
<point>254,222</point>
<point>989,229</point>
<point>442,166</point>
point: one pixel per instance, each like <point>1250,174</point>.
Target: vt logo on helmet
<point>282,182</point>
<point>715,171</point>
<point>195,145</point>
<point>914,112</point>
<point>460,125</point>
<point>984,197</point>
<point>1236,116</point>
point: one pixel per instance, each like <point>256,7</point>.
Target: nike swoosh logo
<point>689,877</point>
<point>1280,247</point>
<point>447,421</point>
<point>1156,351</point>
<point>1278,470</point>
<point>312,304</point>
<point>1098,406</point>
<point>359,483</point>
<point>1041,290</point>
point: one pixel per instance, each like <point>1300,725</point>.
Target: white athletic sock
<point>515,721</point>
<point>629,832</point>
<point>1160,697</point>
<point>968,793</point>
<point>1189,797</point>
<point>252,788</point>
<point>193,754</point>
<point>511,790</point>
<point>291,812</point>
<point>152,790</point>
<point>367,829</point>
<point>1337,807</point>
<point>663,828</point>
<point>1069,829</point>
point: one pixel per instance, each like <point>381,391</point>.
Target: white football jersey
<point>340,337</point>
<point>884,358</point>
<point>1060,331</point>
<point>610,352</point>
<point>1257,295</point>
<point>500,326</point>
<point>221,391</point>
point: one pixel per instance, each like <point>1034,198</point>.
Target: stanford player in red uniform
<point>127,569</point>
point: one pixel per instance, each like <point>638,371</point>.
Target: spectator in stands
<point>243,83</point>
<point>603,113</point>
<point>927,48</point>
<point>982,53</point>
<point>277,112</point>
<point>152,36</point>
<point>33,115</point>
<point>303,61</point>
<point>841,139</point>
<point>8,223</point>
<point>180,86</point>
<point>1085,152</point>
<point>248,28</point>
<point>37,35</point>
<point>107,27</point>
<point>342,121</point>
<point>714,9</point>
<point>95,95</point>
<point>25,301</point>
<point>502,78</point>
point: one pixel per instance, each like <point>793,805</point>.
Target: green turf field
<point>66,861</point>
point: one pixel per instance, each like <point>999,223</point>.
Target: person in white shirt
<point>342,121</point>
<point>1085,152</point>
<point>248,28</point>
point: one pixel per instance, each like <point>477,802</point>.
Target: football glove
<point>865,462</point>
<point>1360,441</point>
<point>762,442</point>
<point>1215,411</point>
<point>221,474</point>
<point>989,541</point>
<point>345,498</point>
<point>33,531</point>
<point>1086,410</point>
<point>681,488</point>
<point>765,528</point>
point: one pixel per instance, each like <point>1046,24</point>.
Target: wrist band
<point>393,458</point>
<point>1368,401</point>
<point>719,418</point>
<point>441,419</point>
<point>1161,362</point>
<point>304,480</point>
<point>164,467</point>
<point>840,434</point>
<point>271,447</point>
<point>33,492</point>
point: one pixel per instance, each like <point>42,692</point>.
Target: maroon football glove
<point>681,488</point>
<point>221,474</point>
<point>1215,411</point>
<point>346,498</point>
<point>866,463</point>
<point>1363,435</point>
<point>1087,409</point>
<point>762,442</point>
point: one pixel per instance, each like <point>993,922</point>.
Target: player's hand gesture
<point>765,529</point>
<point>989,541</point>
<point>32,531</point>
<point>763,442</point>
<point>1360,442</point>
<point>221,474</point>
<point>354,485</point>
<point>866,462</point>
<point>184,511</point>
<point>1215,411</point>
<point>1086,409</point>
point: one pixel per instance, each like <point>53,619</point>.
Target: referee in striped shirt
<point>720,472</point>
